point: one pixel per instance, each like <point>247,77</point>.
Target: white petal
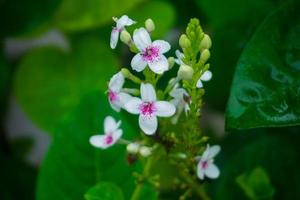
<point>200,172</point>
<point>133,105</point>
<point>162,45</point>
<point>117,135</point>
<point>141,39</point>
<point>164,109</point>
<point>137,63</point>
<point>98,141</point>
<point>206,76</point>
<point>199,83</point>
<point>160,65</point>
<point>116,82</point>
<point>148,93</point>
<point>124,98</point>
<point>213,151</point>
<point>114,37</point>
<point>205,155</point>
<point>124,21</point>
<point>110,124</point>
<point>212,171</point>
<point>115,105</point>
<point>148,124</point>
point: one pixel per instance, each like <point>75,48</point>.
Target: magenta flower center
<point>109,139</point>
<point>204,164</point>
<point>150,54</point>
<point>112,96</point>
<point>147,108</point>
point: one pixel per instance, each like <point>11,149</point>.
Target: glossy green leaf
<point>256,184</point>
<point>72,165</point>
<point>50,83</point>
<point>156,10</point>
<point>18,16</point>
<point>104,191</point>
<point>265,90</point>
<point>80,14</point>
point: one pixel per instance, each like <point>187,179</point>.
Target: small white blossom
<point>151,53</point>
<point>112,134</point>
<point>206,76</point>
<point>145,151</point>
<point>206,166</point>
<point>179,58</point>
<point>148,108</point>
<point>116,97</point>
<point>120,24</point>
<point>133,148</point>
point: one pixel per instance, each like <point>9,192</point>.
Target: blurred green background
<point>55,62</point>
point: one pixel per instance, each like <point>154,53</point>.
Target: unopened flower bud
<point>185,72</point>
<point>205,43</point>
<point>133,148</point>
<point>205,55</point>
<point>149,24</point>
<point>125,37</point>
<point>126,73</point>
<point>184,41</point>
<point>171,61</point>
<point>145,151</point>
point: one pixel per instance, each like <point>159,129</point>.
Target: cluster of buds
<point>160,110</point>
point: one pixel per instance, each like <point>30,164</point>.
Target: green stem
<point>138,189</point>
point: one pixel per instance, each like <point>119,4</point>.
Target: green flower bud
<point>133,148</point>
<point>145,151</point>
<point>171,62</point>
<point>127,74</point>
<point>149,24</point>
<point>185,72</point>
<point>184,41</point>
<point>125,37</point>
<point>205,55</point>
<point>205,43</point>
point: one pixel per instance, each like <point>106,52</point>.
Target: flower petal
<point>124,21</point>
<point>124,98</point>
<point>213,151</point>
<point>148,93</point>
<point>114,37</point>
<point>133,105</point>
<point>98,141</point>
<point>110,124</point>
<point>200,172</point>
<point>116,82</point>
<point>117,135</point>
<point>148,124</point>
<point>206,76</point>
<point>141,39</point>
<point>212,171</point>
<point>164,109</point>
<point>160,65</point>
<point>162,45</point>
<point>115,105</point>
<point>199,83</point>
<point>137,63</point>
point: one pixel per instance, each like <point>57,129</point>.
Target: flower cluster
<point>182,93</point>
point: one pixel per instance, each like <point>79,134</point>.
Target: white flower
<point>206,166</point>
<point>206,76</point>
<point>151,53</point>
<point>112,134</point>
<point>120,24</point>
<point>179,58</point>
<point>148,108</point>
<point>181,99</point>
<point>116,98</point>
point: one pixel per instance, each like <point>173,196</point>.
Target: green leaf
<point>72,165</point>
<point>50,83</point>
<point>265,90</point>
<point>81,15</point>
<point>256,184</point>
<point>24,15</point>
<point>104,191</point>
<point>156,10</point>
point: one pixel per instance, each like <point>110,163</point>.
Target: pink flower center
<point>204,164</point>
<point>147,108</point>
<point>109,139</point>
<point>112,96</point>
<point>150,54</point>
